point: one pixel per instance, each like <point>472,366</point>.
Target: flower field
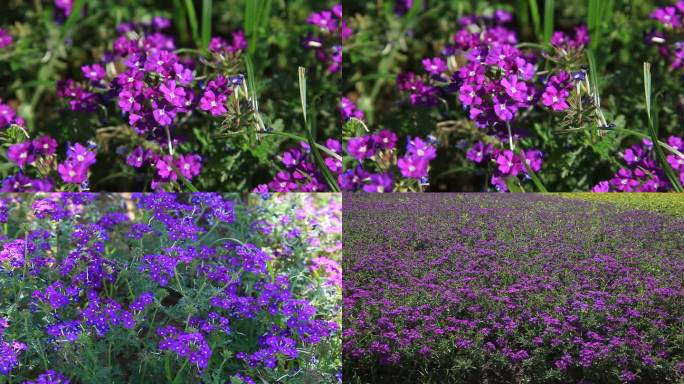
<point>553,95</point>
<point>483,288</point>
<point>188,288</point>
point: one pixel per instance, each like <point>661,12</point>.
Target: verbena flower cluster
<point>495,84</point>
<point>373,159</point>
<point>5,38</point>
<point>506,162</point>
<point>642,172</point>
<point>328,47</point>
<point>668,39</point>
<point>300,171</point>
<point>502,90</point>
<point>156,89</point>
<point>193,286</point>
<point>506,288</point>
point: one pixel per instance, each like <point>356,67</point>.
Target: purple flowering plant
<point>525,97</point>
<point>474,288</point>
<point>192,288</point>
<point>191,97</point>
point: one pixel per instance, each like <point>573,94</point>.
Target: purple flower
<point>165,168</point>
<point>379,182</point>
<point>5,38</point>
<point>360,147</point>
<point>73,172</point>
<point>127,102</point>
<point>189,165</point>
<point>212,103</point>
<point>45,145</point>
<point>49,377</point>
<point>94,72</point>
<point>476,153</point>
<point>517,90</point>
<point>508,163</point>
<point>668,16</point>
<point>21,153</point>
<point>413,167</point>
<point>469,96</point>
<point>163,116</point>
<point>385,139</point>
<point>555,99</point>
<point>349,110</point>
<point>81,155</point>
<point>504,108</point>
<point>435,66</point>
<point>136,157</point>
<point>172,94</point>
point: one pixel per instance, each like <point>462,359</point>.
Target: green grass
<point>669,203</point>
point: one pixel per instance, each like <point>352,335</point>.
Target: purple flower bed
<point>473,288</point>
<point>165,288</point>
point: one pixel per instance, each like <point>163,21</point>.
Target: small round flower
<point>21,153</point>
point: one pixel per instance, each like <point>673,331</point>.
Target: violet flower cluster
<point>334,30</point>
<point>642,172</point>
<point>5,38</point>
<point>40,153</point>
<point>668,39</point>
<point>507,163</point>
<point>374,157</point>
<point>495,83</point>
<point>300,173</point>
<point>9,351</point>
<point>111,274</point>
<point>156,91</point>
<point>510,287</point>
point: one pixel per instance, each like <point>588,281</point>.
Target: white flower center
<point>93,73</point>
<point>363,149</point>
<point>213,103</point>
<point>420,153</point>
<point>381,189</point>
<point>80,158</point>
<point>411,168</point>
<point>72,173</point>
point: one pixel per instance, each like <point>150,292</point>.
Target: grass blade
<point>253,95</point>
<point>318,158</point>
<point>192,18</point>
<point>206,23</point>
<point>536,21</point>
<point>548,20</point>
<point>660,155</point>
<point>257,13</point>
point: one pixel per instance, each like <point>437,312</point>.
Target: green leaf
<point>206,23</point>
<point>192,18</point>
<point>652,130</point>
<point>548,20</point>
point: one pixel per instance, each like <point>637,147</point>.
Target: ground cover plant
<point>169,95</point>
<point>518,288</point>
<point>508,96</point>
<point>165,288</point>
<point>668,203</point>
